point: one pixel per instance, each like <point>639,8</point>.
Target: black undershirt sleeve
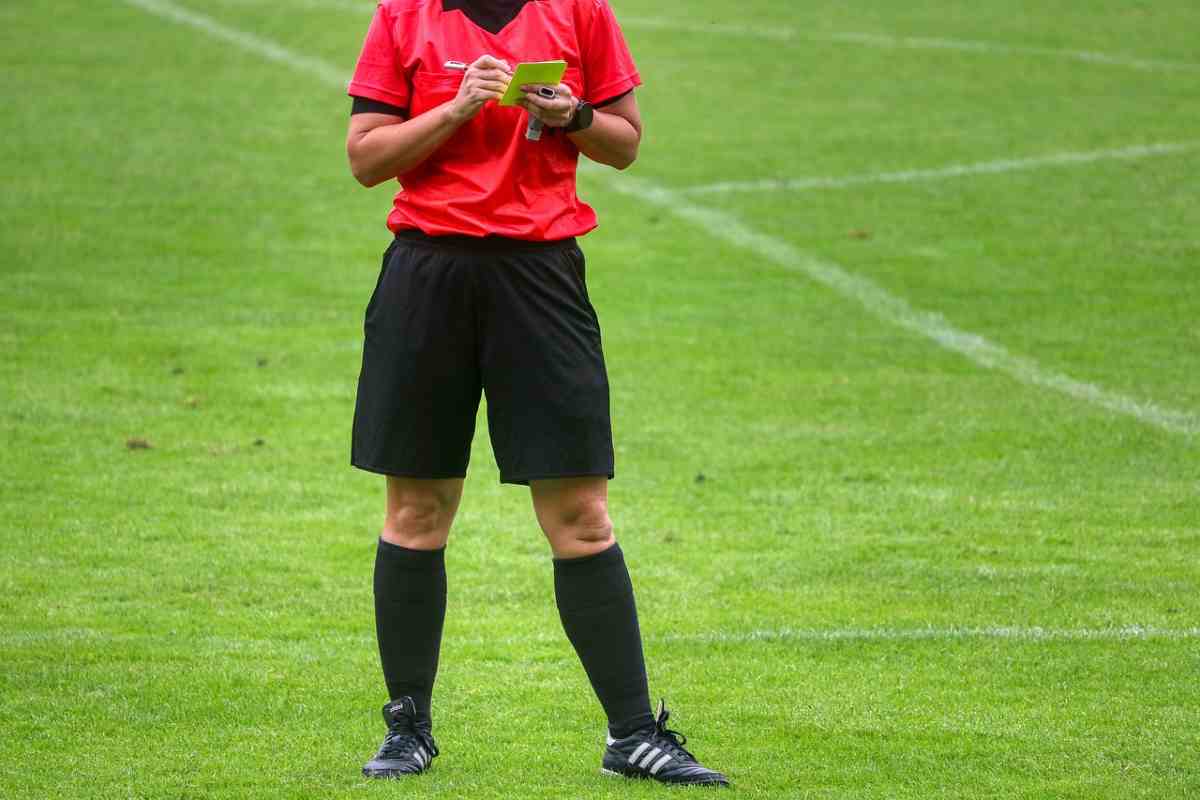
<point>611,100</point>
<point>365,105</point>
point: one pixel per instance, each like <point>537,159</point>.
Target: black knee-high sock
<point>410,607</point>
<point>595,604</point>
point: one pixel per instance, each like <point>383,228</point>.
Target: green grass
<point>186,260</point>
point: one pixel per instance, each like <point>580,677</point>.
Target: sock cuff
<point>631,725</point>
<point>422,560</point>
<point>593,563</point>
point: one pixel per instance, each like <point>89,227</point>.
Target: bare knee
<point>420,512</point>
<point>418,517</point>
<point>577,524</point>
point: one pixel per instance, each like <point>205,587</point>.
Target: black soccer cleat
<point>658,753</point>
<point>408,747</point>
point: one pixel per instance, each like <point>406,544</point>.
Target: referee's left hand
<point>556,112</point>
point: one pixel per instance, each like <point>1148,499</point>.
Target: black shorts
<point>453,316</point>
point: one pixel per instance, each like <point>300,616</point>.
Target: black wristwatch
<point>582,119</point>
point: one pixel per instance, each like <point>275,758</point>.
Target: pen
<point>544,91</point>
<point>533,131</point>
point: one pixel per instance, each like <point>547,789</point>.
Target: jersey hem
<point>524,479</point>
<point>528,236</point>
<point>400,473</point>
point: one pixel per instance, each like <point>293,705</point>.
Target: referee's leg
<point>595,596</point>
<point>410,609</point>
<point>598,613</point>
<point>410,584</point>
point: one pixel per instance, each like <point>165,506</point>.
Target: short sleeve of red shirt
<point>607,63</point>
<point>377,76</point>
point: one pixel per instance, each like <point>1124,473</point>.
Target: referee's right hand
<point>486,79</point>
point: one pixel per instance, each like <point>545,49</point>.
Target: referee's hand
<point>556,112</point>
<point>484,80</point>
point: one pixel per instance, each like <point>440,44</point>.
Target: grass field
<point>908,469</point>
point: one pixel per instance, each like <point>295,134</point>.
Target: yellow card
<point>548,72</point>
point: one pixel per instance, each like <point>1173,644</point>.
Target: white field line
<point>941,173</point>
<point>783,33</point>
<point>963,632</point>
<point>1015,633</point>
<point>886,306</point>
<point>884,634</point>
<point>968,45</point>
<point>727,227</point>
<point>323,71</point>
<point>365,7</point>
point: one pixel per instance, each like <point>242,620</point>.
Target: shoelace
<point>671,741</point>
<point>403,743</point>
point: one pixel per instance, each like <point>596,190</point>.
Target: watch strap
<point>582,119</point>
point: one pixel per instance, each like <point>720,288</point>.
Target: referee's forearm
<point>387,151</point>
<point>611,139</point>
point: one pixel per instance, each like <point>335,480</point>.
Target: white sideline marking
<point>728,227</point>
<point>784,33</point>
<point>968,45</point>
<point>1033,634</point>
<point>952,171</point>
<point>1024,634</point>
<point>362,6</point>
<point>322,70</point>
<point>884,305</point>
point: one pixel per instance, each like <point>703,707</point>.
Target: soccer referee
<point>482,290</point>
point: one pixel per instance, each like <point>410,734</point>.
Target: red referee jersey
<point>488,178</point>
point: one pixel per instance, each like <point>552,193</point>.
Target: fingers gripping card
<point>547,72</point>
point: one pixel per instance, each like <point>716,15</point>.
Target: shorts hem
<point>432,475</point>
<point>523,480</point>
